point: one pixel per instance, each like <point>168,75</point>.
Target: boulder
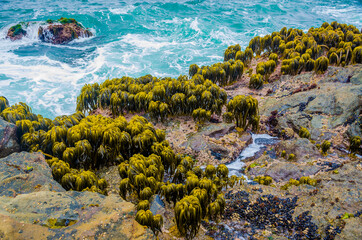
<point>25,173</point>
<point>63,31</point>
<point>8,139</point>
<point>16,32</point>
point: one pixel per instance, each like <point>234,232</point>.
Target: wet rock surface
<point>69,215</point>
<point>8,139</point>
<point>62,33</point>
<point>16,32</point>
<point>283,171</point>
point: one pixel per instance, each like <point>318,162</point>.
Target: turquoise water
<point>135,38</point>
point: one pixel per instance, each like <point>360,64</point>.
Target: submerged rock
<point>8,139</point>
<point>16,32</point>
<point>62,31</point>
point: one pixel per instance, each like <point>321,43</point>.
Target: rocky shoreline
<point>306,185</point>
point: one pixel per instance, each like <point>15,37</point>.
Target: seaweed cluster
<point>69,143</point>
<point>304,133</point>
<point>302,180</point>
<point>325,146</point>
<point>64,20</point>
<point>166,97</point>
<point>159,97</point>
<point>354,144</point>
<point>223,74</point>
<point>75,144</point>
<point>264,180</point>
<point>245,111</point>
<point>195,193</point>
<point>331,44</point>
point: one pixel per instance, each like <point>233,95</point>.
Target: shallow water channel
<point>260,141</point>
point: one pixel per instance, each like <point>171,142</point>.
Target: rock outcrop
<point>25,172</point>
<point>63,31</point>
<point>8,139</point>
<point>34,206</point>
<point>16,32</point>
<point>327,105</point>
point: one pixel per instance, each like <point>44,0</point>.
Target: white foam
<point>249,151</point>
<point>139,40</point>
<point>225,35</point>
<point>195,25</point>
<point>122,11</point>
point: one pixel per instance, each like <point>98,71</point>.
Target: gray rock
<point>302,148</point>
<point>157,205</point>
<point>8,139</point>
<point>283,171</point>
<point>25,173</point>
<point>337,101</point>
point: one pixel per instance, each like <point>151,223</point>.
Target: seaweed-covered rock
<point>8,139</point>
<point>25,173</point>
<point>16,32</point>
<point>62,31</point>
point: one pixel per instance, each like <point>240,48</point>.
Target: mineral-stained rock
<point>8,139</point>
<point>69,215</point>
<point>25,173</point>
<point>62,32</point>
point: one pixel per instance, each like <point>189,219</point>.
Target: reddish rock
<point>16,32</point>
<point>58,33</point>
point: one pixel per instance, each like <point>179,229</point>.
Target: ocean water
<point>134,38</point>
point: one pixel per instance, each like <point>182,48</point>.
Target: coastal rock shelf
<point>35,206</point>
